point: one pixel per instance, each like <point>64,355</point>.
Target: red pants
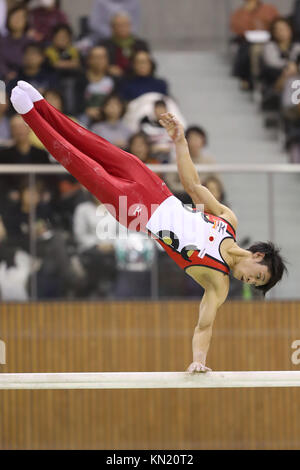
<point>105,170</point>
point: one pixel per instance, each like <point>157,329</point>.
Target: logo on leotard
<point>172,241</point>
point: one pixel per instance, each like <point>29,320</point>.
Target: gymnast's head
<point>262,266</point>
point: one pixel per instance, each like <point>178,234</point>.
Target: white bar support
<point>144,380</point>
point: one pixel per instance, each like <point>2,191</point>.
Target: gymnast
<point>200,239</point>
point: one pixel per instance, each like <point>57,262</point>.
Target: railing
<point>243,169</point>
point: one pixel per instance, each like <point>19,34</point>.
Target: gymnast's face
<point>250,271</point>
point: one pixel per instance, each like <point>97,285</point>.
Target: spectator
<point>197,142</point>
<point>44,17</point>
<point>13,43</point>
<point>22,152</point>
<point>112,127</point>
<point>16,216</point>
<point>70,194</point>
<point>62,55</point>
<point>5,136</point>
<point>161,144</point>
<point>142,79</point>
<point>122,45</point>
<point>96,246</point>
<point>281,58</point>
<point>55,276</point>
<point>140,147</point>
<point>104,10</point>
<point>253,15</point>
<point>34,70</point>
<point>93,86</point>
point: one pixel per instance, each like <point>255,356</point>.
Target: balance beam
<point>144,380</point>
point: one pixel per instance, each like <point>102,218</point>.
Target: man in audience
<point>122,45</point>
<point>103,11</point>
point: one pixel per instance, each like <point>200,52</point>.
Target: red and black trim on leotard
<point>193,259</point>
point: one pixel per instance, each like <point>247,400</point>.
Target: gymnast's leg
<point>116,161</point>
<point>107,187</point>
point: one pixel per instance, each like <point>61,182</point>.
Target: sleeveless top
<point>189,236</point>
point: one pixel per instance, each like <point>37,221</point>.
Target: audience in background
<point>35,71</point>
<point>44,16</point>
<point>103,11</point>
<point>61,54</point>
<point>122,44</point>
<point>161,144</point>
<point>3,16</point>
<point>253,15</point>
<point>142,78</point>
<point>111,127</point>
<point>22,151</point>
<point>13,43</point>
<point>281,58</point>
<point>139,146</point>
<point>93,85</point>
<point>69,195</point>
<point>91,224</point>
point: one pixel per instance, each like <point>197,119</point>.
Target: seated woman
<point>142,78</point>
<point>280,62</point>
<point>13,43</point>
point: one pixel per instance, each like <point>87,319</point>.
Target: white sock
<point>21,101</point>
<point>32,92</point>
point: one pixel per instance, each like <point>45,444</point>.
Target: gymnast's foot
<point>32,92</point>
<point>21,101</point>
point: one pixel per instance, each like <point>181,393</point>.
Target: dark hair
<point>274,24</point>
<point>160,103</point>
<point>133,57</point>
<point>219,183</point>
<point>198,130</point>
<point>58,94</point>
<point>12,11</point>
<point>136,135</point>
<point>112,96</point>
<point>274,261</point>
<point>34,45</point>
<point>62,27</point>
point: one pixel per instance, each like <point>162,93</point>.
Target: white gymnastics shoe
<point>32,92</point>
<point>21,101</point>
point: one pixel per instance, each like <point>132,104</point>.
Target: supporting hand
<point>198,367</point>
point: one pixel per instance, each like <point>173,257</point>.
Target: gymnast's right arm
<point>203,331</point>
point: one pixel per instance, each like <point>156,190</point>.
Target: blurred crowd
<point>52,232</point>
<point>266,49</point>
